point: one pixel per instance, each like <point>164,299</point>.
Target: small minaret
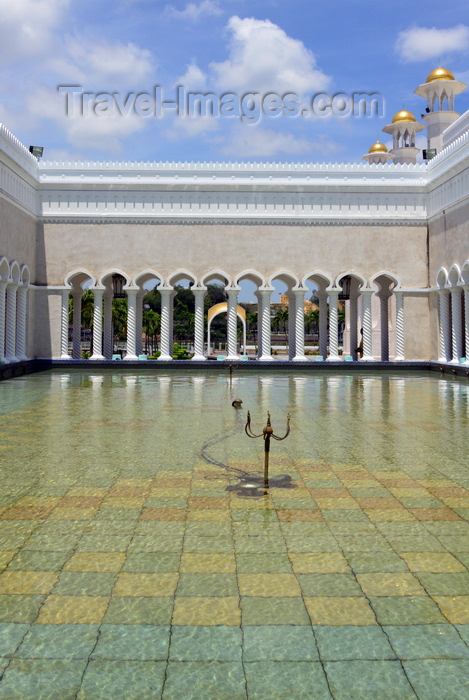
<point>403,129</point>
<point>378,153</point>
<point>439,89</point>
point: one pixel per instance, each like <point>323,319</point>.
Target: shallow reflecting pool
<point>134,567</point>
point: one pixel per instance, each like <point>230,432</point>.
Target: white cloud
<point>96,62</point>
<point>248,141</point>
<point>422,43</point>
<point>194,78</point>
<point>194,11</point>
<point>104,132</point>
<point>27,28</point>
<point>190,127</point>
<point>263,58</point>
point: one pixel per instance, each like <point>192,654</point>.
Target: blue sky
<point>117,49</point>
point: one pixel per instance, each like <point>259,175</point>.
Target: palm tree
<point>280,320</point>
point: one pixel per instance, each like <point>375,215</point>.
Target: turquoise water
<point>131,568</point>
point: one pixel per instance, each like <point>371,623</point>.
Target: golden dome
<point>440,74</point>
<point>378,148</point>
<point>403,116</point>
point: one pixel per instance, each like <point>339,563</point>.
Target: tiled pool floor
<point>353,584</point>
<point>170,586</point>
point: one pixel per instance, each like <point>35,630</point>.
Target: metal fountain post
<point>267,433</point>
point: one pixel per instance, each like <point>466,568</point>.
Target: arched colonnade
<point>373,305</point>
<point>14,287</point>
<point>453,313</point>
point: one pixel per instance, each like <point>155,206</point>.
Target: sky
<point>88,80</point>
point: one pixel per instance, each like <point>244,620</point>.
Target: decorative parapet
<point>13,148</point>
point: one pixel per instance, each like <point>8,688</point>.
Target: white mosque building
<point>390,236</point>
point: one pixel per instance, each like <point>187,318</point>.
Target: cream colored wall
<point>267,249</point>
<point>417,342</point>
<point>17,236</point>
<point>449,239</point>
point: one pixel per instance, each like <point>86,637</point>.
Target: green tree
<point>280,321</point>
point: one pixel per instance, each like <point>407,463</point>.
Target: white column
<point>199,295</point>
<point>139,323</point>
<point>64,326</point>
<point>353,313</point>
<point>333,326</point>
<point>166,345</point>
<point>323,324</point>
<point>466,320</point>
<point>264,324</point>
<point>131,324</point>
<point>10,339</point>
<point>400,355</point>
<point>445,336</point>
<point>456,325</point>
<point>299,295</point>
<point>291,325</point>
<point>98,325</point>
<point>367,325</point>
<point>2,320</point>
<point>108,344</point>
<point>76,353</point>
<point>384,322</point>
<point>232,323</point>
<point>21,315</point>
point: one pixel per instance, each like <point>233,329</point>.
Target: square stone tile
<point>20,608</point>
<point>455,609</point>
<point>27,582</point>
<point>139,611</point>
<point>31,560</point>
<point>207,611</point>
<point>319,562</point>
<point>122,680</point>
<point>133,642</point>
<point>89,584</point>
<point>270,585</point>
<point>339,611</point>
<point>146,562</point>
<point>390,584</point>
<point>203,585</point>
<point>141,584</point>
<point>11,636</point>
<point>197,643</point>
<point>355,680</point>
<point>345,642</point>
<point>204,679</point>
<point>329,585</point>
<point>62,609</point>
<point>279,643</point>
<point>100,562</point>
<point>273,611</point>
<point>433,562</point>
<point>427,641</point>
<point>216,562</point>
<point>375,562</point>
<point>438,679</point>
<point>301,680</point>
<point>30,679</point>
<point>447,584</point>
<point>406,610</point>
<point>59,641</point>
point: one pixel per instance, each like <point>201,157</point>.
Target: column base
<point>131,358</point>
<point>233,357</point>
<point>399,358</point>
<point>367,358</point>
<point>164,358</point>
<point>266,358</point>
<point>10,359</point>
<point>198,358</point>
<point>65,357</point>
<point>97,357</point>
<point>334,358</point>
<point>443,360</point>
<point>300,358</point>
